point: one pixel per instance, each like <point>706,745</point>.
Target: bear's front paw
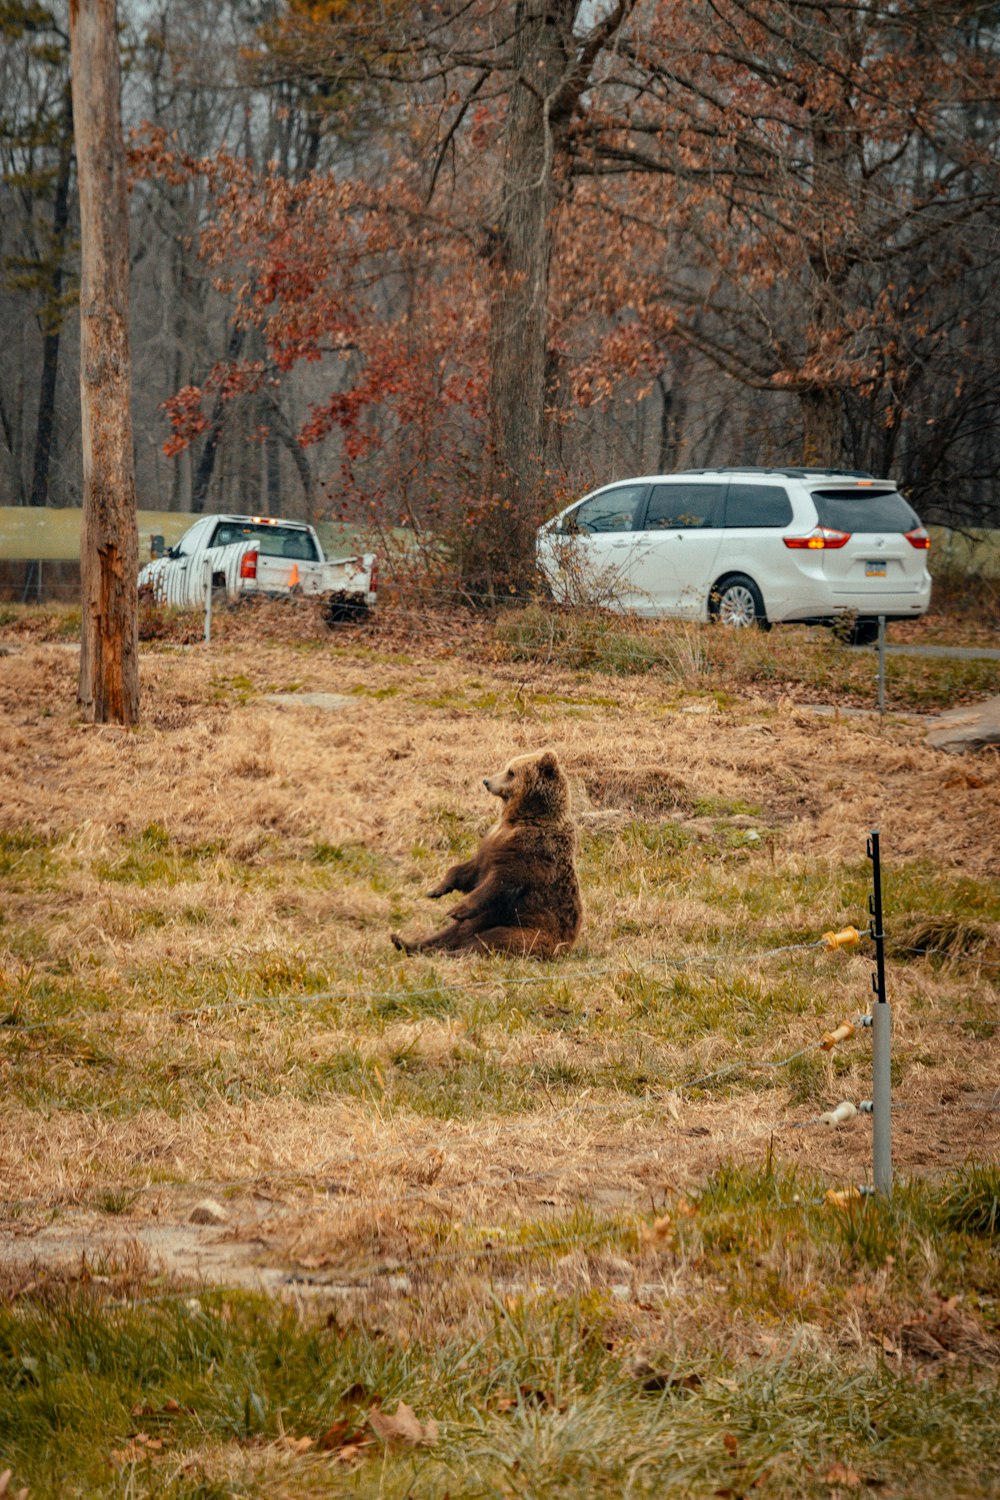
<point>458,912</point>
<point>397,942</point>
<point>437,893</point>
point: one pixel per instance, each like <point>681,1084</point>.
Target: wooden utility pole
<point>109,544</point>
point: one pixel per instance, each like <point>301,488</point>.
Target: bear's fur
<point>522,894</point>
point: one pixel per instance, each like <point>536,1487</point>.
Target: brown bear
<point>523,896</point>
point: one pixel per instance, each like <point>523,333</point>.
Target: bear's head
<point>531,786</point>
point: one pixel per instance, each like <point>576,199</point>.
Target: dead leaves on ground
<point>404,1428</point>
<point>842,1476</point>
<point>662,1233</point>
<point>138,1448</point>
<point>348,1442</point>
<point>948,1335</point>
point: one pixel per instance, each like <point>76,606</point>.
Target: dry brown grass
<point>235,847</point>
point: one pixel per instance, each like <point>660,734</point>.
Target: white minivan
<point>744,546</point>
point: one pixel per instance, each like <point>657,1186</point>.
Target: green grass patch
<point>153,857</point>
<point>535,1394</point>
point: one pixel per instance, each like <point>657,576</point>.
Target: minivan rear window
<point>864,510</point>
<point>758,505</point>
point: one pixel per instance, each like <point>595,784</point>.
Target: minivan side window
<point>684,507</point>
<point>611,510</point>
<point>758,505</point>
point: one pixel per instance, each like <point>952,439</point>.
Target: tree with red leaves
<point>559,197</point>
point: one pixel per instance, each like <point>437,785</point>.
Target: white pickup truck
<point>238,556</point>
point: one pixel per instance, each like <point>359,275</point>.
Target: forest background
<point>445,266</point>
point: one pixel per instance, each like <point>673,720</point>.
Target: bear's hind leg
<point>521,942</point>
<point>451,939</point>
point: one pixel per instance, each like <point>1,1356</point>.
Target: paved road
<point>956,653</point>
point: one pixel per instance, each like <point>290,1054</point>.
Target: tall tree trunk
<point>822,411</point>
<point>109,647</point>
<point>52,312</point>
<point>550,69</point>
<point>519,254</point>
<point>206,463</point>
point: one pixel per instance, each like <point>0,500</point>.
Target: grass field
<point>491,1228</point>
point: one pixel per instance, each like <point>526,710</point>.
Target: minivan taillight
<point>918,538</point>
<point>248,567</point>
<point>823,536</point>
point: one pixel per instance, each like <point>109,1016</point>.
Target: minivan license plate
<point>874,569</point>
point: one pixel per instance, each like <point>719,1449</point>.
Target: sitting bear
<point>523,896</point>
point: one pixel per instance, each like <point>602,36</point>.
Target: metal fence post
<point>881,1035</point>
<point>881,664</point>
<point>208,599</point>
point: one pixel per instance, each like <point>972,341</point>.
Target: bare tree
<point>109,648</point>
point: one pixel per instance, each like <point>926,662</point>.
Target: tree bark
<point>519,252</point>
<point>213,437</point>
<point>551,67</point>
<point>109,650</point>
<point>822,427</point>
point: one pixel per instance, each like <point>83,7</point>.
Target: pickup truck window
<point>274,541</point>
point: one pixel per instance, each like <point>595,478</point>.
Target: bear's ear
<point>548,765</point>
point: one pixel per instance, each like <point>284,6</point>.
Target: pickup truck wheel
<point>220,594</point>
<point>344,609</point>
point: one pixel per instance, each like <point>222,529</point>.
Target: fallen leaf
<point>652,1379</point>
<point>350,1451</point>
<point>532,1397</point>
<point>403,1427</point>
<point>335,1436</point>
<point>843,1475</point>
<point>660,1234</point>
<point>731,1443</point>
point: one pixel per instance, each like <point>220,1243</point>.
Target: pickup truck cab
<point>237,556</point>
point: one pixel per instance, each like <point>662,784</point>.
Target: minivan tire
<point>736,601</point>
<point>863,633</point>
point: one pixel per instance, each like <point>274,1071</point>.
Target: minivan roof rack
<point>786,473</point>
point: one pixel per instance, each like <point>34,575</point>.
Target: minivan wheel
<point>863,633</point>
<point>737,602</point>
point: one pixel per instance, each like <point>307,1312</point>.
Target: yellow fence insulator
<point>845,938</point>
<point>839,1034</point>
<point>842,1197</point>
